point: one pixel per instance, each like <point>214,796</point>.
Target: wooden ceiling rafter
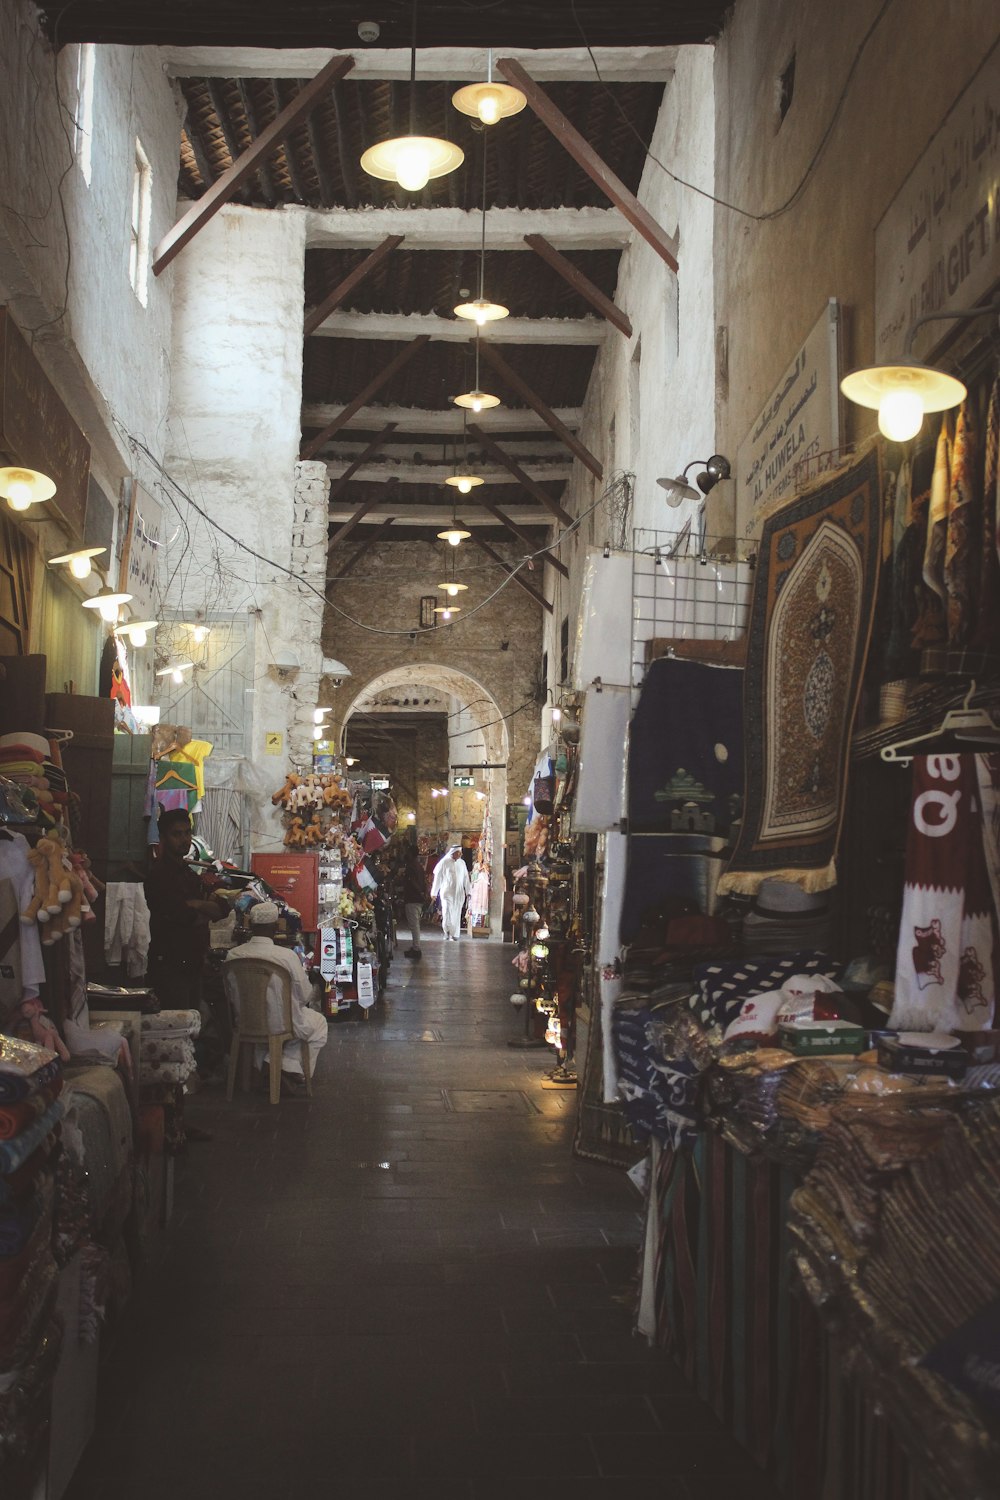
<point>358,516</point>
<point>523,479</point>
<point>588,159</point>
<point>363,397</point>
<point>373,447</point>
<point>580,283</point>
<point>522,536</point>
<point>343,290</point>
<point>513,573</point>
<point>358,554</point>
<point>221,192</point>
<point>517,383</point>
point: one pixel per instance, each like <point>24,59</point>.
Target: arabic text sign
<point>938,244</point>
<point>800,419</point>
<point>140,576</point>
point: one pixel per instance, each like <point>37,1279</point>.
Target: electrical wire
<point>792,199</point>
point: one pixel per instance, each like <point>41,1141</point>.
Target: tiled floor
<point>405,1287</point>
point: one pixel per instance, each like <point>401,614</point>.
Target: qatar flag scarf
<point>947,957</point>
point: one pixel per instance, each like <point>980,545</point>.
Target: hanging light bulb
<point>454,535</point>
<point>79,562</point>
<point>176,671</point>
<point>489,101</point>
<point>482,310</point>
<point>447,610</point>
<point>412,159</point>
<point>451,588</point>
<point>23,487</point>
<point>476,400</point>
<point>199,633</point>
<point>464,482</point>
<point>137,631</point>
<point>107,603</point>
<point>901,394</point>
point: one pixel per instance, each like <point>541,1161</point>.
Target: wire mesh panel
<point>680,594</point>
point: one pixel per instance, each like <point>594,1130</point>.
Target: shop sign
<point>37,431</point>
<point>464,781</point>
<point>295,877</point>
<point>938,244</point>
<point>141,548</point>
<point>380,783</point>
<point>799,420</point>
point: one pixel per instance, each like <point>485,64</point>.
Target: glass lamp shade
<point>530,917</point>
<point>901,393</point>
<point>447,610</point>
<point>489,101</point>
<point>23,487</point>
<point>411,160</point>
<point>107,602</point>
<point>137,631</point>
<point>678,490</point>
<point>464,482</point>
<point>482,311</point>
<point>78,562</point>
<point>451,589</point>
<point>476,400</point>
<point>454,535</point>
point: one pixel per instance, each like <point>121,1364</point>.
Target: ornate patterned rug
<point>810,625</point>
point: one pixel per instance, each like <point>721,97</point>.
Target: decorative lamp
<point>542,933</point>
<point>451,588</point>
<point>464,482</point>
<point>716,468</point>
<point>319,713</point>
<point>482,310</point>
<point>137,631</point>
<point>539,950</point>
<point>199,632</point>
<point>489,101</point>
<point>901,393</point>
<point>107,602</point>
<point>412,159</point>
<point>476,400</point>
<point>78,562</point>
<point>447,610</point>
<point>530,917</point>
<point>454,533</point>
<point>176,671</point>
<point>23,487</point>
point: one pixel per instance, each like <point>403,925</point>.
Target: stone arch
<point>486,716</point>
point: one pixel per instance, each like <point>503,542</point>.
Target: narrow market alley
<point>405,1287</point>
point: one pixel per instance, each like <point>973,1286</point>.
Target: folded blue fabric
<point>15,1153</point>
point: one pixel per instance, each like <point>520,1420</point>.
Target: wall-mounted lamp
<point>716,468</point>
<point>107,602</point>
<point>23,487</point>
<point>901,393</point>
<point>350,760</point>
<point>285,664</point>
<point>320,713</point>
<point>78,562</point>
<point>335,669</point>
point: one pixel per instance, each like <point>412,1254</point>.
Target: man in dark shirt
<point>180,910</point>
<point>414,897</point>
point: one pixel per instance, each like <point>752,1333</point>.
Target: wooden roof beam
<point>355,464</point>
<point>439,422</point>
<point>522,536</point>
<point>245,165</point>
<point>357,555</point>
<point>343,289</point>
<point>511,573</point>
<point>588,160</point>
<point>579,450</point>
<point>349,525</point>
<point>458,229</point>
<point>523,479</point>
<point>441,64</point>
<point>363,397</point>
<point>580,283</point>
<point>582,332</point>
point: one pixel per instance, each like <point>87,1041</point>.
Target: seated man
<point>308,1025</point>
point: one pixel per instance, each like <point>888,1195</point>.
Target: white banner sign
<point>938,244</point>
<point>800,419</point>
<point>144,545</point>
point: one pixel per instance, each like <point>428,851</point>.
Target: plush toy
<point>58,873</point>
<point>36,910</point>
<point>313,833</point>
<point>43,1033</point>
<point>295,834</point>
<point>91,885</point>
<point>282,796</point>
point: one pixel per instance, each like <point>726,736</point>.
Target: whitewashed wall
<point>64,244</point>
<point>233,435</point>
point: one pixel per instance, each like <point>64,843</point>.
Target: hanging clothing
<point>307,1024</point>
<point>22,970</point>
<point>479,901</point>
<point>937,536</point>
<point>194,753</point>
<point>126,927</point>
<point>988,623</point>
<point>961,557</point>
<point>452,884</point>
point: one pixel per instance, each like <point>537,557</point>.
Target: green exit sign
<point>464,781</point>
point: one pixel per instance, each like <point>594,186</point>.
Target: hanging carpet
<point>810,625</point>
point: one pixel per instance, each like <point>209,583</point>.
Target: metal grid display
<point>687,595</point>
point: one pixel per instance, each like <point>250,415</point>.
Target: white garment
<point>126,926</point>
<point>451,882</point>
<point>30,968</point>
<point>307,1024</point>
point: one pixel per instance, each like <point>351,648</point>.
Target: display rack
<point>682,592</point>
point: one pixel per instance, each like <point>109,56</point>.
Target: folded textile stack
<point>167,1047</point>
<point>897,1237</point>
<point>30,1111</point>
<point>33,761</point>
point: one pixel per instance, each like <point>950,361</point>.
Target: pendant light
<point>454,534</point>
<point>107,602</point>
<point>489,101</point>
<point>482,311</point>
<point>78,562</point>
<point>463,479</point>
<point>412,159</point>
<point>137,631</point>
<point>23,487</point>
<point>476,400</point>
<point>451,586</point>
<point>175,672</point>
<point>447,610</point>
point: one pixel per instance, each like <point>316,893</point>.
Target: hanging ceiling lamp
<point>482,311</point>
<point>476,400</point>
<point>489,101</point>
<point>23,487</point>
<point>137,631</point>
<point>451,586</point>
<point>411,160</point>
<point>447,610</point>
<point>464,479</point>
<point>107,602</point>
<point>454,533</point>
<point>175,672</point>
<point>78,562</point>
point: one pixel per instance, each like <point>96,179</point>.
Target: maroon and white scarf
<point>946,964</point>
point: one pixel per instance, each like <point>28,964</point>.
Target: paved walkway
<point>405,1287</point>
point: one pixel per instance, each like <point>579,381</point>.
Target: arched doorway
<point>450,721</point>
